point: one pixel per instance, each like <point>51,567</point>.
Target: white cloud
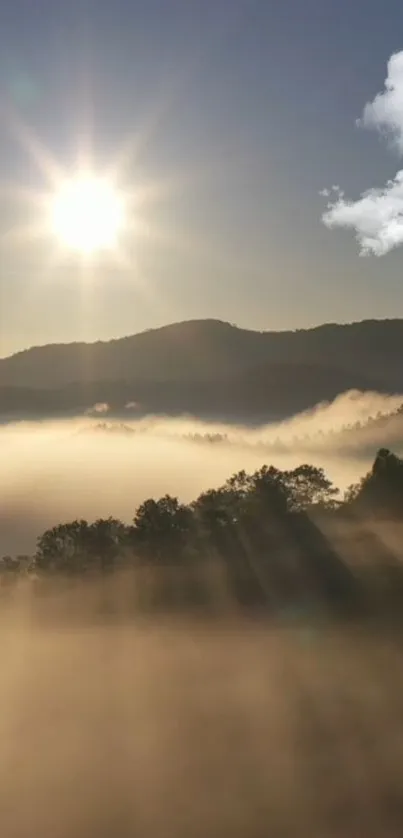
<point>386,110</point>
<point>377,216</point>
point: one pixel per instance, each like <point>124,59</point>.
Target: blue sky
<point>243,110</point>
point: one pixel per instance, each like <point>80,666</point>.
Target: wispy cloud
<point>377,216</point>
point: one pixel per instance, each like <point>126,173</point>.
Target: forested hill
<point>207,367</point>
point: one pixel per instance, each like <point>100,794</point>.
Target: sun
<point>87,214</point>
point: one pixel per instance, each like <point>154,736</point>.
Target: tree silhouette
<point>307,486</point>
<point>162,529</point>
<point>63,548</point>
<point>381,490</point>
<point>78,546</point>
<point>266,530</point>
<point>107,540</point>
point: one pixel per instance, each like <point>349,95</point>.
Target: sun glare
<point>87,215</point>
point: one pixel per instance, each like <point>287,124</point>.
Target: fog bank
<point>90,468</point>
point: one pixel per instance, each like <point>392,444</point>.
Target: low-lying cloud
<point>98,408</point>
<point>95,467</point>
<point>377,216</point>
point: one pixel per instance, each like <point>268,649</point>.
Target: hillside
<point>208,368</point>
<point>261,394</point>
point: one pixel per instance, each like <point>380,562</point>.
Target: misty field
<point>129,705</point>
<point>236,728</point>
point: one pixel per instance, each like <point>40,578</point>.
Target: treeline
<point>263,539</point>
<point>347,437</point>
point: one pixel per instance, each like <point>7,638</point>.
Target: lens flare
<point>87,214</point>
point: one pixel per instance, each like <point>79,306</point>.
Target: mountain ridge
<point>327,325</point>
<point>208,367</point>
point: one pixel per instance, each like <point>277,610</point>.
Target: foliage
<point>79,546</point>
<point>162,528</point>
<point>265,528</point>
<point>381,490</point>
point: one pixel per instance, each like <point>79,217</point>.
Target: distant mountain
<point>206,368</point>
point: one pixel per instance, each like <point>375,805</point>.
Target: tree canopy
<point>265,528</point>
